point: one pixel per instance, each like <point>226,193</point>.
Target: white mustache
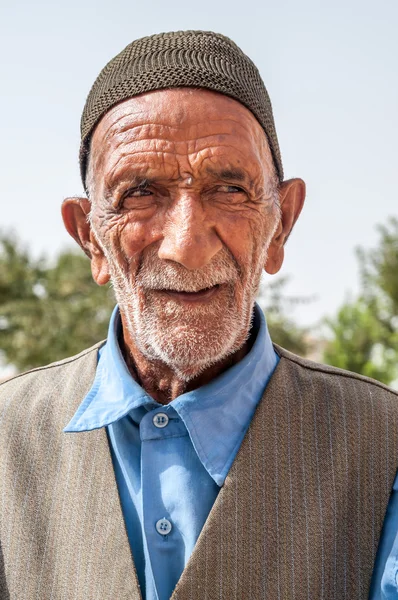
<point>157,275</point>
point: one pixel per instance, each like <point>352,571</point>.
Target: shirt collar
<point>216,415</point>
<point>114,392</point>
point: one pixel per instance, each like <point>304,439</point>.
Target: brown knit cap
<point>179,59</point>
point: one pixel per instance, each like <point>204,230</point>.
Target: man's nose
<point>189,234</point>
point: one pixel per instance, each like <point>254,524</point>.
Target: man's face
<point>184,208</point>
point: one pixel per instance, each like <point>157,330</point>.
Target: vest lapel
<point>99,558</point>
<point>233,542</point>
<point>98,561</point>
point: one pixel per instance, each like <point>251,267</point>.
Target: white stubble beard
<point>188,339</point>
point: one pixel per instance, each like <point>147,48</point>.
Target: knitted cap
<point>179,59</point>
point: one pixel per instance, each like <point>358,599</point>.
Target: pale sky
<point>330,69</point>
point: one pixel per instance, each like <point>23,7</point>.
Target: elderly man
<point>187,457</point>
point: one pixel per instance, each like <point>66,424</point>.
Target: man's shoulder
<point>333,376</point>
<point>48,385</point>
<point>49,371</point>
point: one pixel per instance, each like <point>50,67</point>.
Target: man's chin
<point>187,363</point>
<point>188,337</point>
<point>190,347</point>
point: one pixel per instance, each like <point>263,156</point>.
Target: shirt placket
<point>163,540</point>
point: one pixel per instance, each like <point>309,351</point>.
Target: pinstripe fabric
<point>301,511</point>
<point>62,531</point>
<point>299,516</point>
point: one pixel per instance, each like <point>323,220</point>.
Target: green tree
<point>365,331</point>
<point>48,312</point>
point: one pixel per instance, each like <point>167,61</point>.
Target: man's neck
<point>160,381</point>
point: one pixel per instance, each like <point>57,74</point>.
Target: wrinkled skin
<point>184,216</point>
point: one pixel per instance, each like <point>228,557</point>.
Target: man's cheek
<point>118,236</point>
<point>133,236</point>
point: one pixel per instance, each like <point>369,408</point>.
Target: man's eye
<point>137,193</point>
<point>230,189</point>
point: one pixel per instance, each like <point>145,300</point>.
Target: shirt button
<point>163,526</point>
<point>160,420</point>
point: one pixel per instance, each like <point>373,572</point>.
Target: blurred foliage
<point>48,312</point>
<point>278,308</point>
<point>365,331</point>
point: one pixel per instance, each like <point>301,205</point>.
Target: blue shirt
<point>170,476</point>
<point>170,461</point>
<point>385,574</point>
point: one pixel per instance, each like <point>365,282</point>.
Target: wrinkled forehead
<point>182,115</point>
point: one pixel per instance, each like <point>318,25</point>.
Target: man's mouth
<point>198,296</point>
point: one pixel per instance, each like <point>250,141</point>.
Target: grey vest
<point>298,518</point>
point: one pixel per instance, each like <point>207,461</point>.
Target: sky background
<point>329,67</point>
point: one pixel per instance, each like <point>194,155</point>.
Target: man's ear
<point>291,199</point>
<point>75,212</point>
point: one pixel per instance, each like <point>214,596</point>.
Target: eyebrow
<point>134,180</point>
<point>233,174</point>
